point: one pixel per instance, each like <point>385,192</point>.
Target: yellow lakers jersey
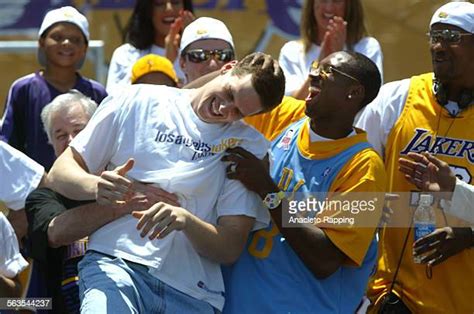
<point>424,125</point>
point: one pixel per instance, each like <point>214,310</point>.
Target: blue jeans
<point>112,285</point>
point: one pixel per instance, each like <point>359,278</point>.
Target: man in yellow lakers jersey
<point>316,267</point>
<point>432,113</point>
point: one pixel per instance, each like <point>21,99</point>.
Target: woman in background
<point>153,28</point>
<point>327,26</point>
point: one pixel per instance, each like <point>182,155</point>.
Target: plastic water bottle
<point>424,220</point>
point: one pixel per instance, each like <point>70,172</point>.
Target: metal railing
<point>95,52</point>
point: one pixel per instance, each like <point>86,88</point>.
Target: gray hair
<point>63,102</point>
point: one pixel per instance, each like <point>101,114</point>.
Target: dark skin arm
<point>309,242</point>
<point>443,243</point>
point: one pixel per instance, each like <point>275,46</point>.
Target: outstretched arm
<point>69,176</point>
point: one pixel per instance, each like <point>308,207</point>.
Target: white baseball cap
<point>205,28</point>
<point>458,13</point>
<point>65,14</point>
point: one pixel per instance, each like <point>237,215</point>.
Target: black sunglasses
<point>449,36</point>
<point>202,55</point>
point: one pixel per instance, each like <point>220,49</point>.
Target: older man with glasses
<point>431,113</point>
<point>206,45</point>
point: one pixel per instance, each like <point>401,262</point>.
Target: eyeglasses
<point>163,3</point>
<point>325,71</point>
<point>202,55</point>
<point>449,36</point>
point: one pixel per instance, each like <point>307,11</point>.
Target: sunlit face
<point>156,78</point>
<point>453,62</point>
<point>325,10</point>
<point>227,98</point>
<point>328,88</point>
<point>193,69</point>
<point>64,45</point>
<point>164,14</point>
<point>65,125</point>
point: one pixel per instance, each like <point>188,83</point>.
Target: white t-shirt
<point>379,117</point>
<point>461,203</point>
<point>19,175</point>
<point>121,64</point>
<point>178,152</point>
<point>295,63</point>
<point>11,261</point>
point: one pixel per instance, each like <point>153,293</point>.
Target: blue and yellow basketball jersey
<point>269,277</point>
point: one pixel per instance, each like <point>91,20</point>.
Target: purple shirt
<point>21,124</point>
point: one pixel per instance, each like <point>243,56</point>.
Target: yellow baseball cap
<point>153,63</point>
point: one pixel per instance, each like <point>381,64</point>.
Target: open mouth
<point>214,108</point>
<point>168,20</point>
<point>66,53</point>
<point>328,15</point>
<point>313,92</point>
<point>439,57</point>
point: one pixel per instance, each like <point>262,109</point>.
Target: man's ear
<point>41,42</point>
<point>228,66</point>
<point>182,62</point>
<point>356,92</point>
<point>86,46</point>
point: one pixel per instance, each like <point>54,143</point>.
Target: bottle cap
<point>426,199</point>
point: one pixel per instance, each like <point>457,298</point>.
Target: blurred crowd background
<point>263,25</point>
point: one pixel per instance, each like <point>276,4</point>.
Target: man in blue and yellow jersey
<point>433,113</point>
<point>315,267</point>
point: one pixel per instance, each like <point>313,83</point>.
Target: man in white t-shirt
<point>11,261</point>
<point>19,176</point>
<point>176,139</point>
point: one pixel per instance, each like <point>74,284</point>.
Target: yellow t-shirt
<point>272,123</point>
<point>425,125</point>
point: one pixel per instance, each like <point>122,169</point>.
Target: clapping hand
<point>334,38</point>
<point>428,173</point>
<point>173,39</point>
